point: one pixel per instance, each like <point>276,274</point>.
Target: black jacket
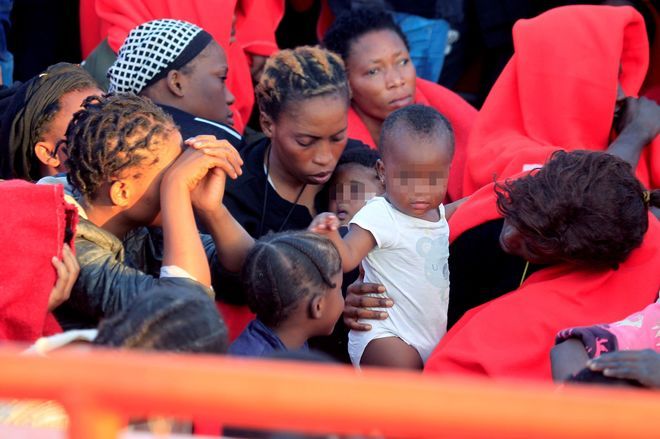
<point>191,126</point>
<point>113,273</point>
<point>246,200</point>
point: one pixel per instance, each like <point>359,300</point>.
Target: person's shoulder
<point>191,126</point>
<point>221,131</point>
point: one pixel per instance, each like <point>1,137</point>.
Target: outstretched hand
<point>324,223</point>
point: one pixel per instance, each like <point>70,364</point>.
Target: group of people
<point>451,240</point>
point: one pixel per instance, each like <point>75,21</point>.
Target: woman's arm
<point>197,173</point>
<point>638,125</point>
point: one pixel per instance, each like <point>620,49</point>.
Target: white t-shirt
<point>411,261</point>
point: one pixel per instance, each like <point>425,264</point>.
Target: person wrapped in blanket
<point>626,352</point>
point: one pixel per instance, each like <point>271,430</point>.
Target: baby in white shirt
<point>403,237</point>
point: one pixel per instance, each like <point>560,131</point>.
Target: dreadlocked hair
<point>285,268</point>
<point>349,26</point>
<point>169,317</point>
<point>111,134</point>
<point>585,206</point>
<point>301,73</point>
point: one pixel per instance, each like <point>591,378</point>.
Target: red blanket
<point>512,335</point>
<point>460,114</point>
<point>558,91</point>
<point>35,218</point>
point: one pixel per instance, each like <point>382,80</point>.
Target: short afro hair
<point>351,25</point>
<point>359,155</point>
<point>586,207</point>
<point>419,120</point>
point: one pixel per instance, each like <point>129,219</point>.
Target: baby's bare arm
<point>355,245</point>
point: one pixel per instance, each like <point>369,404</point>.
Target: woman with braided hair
<point>303,99</point>
<point>34,116</point>
<point>293,285</point>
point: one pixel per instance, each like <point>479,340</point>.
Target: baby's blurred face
<point>416,171</point>
<point>353,185</point>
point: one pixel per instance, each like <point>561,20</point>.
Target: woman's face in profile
<point>514,242</point>
<point>381,74</point>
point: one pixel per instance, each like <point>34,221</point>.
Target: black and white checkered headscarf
<point>151,50</point>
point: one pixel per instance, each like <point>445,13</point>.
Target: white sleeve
<point>376,217</point>
<point>174,271</point>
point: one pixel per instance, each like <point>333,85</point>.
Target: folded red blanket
<point>36,222</point>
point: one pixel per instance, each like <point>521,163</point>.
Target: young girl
<point>293,285</point>
<point>405,238</point>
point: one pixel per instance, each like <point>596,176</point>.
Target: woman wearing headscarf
<point>569,85</point>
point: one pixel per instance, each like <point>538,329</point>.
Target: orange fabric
<point>460,114</point>
<point>512,335</point>
<point>34,221</point>
<point>216,16</point>
<point>558,92</point>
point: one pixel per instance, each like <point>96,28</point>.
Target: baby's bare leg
<point>391,352</point>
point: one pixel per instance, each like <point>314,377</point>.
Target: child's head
<point>119,147</point>
<point>167,318</point>
<point>417,146</point>
<point>295,278</point>
<point>354,182</point>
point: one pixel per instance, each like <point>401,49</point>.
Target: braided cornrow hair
<point>167,318</point>
<point>349,26</point>
<point>284,268</point>
<point>301,73</point>
<point>110,134</point>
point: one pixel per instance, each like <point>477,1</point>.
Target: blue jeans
<point>6,58</point>
<point>427,39</point>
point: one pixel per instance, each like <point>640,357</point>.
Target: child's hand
<point>67,273</point>
<point>324,223</point>
<point>643,366</point>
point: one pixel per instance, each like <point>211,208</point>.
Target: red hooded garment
<point>256,21</point>
<point>460,114</point>
<point>34,221</point>
<point>512,335</point>
<point>558,91</point>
